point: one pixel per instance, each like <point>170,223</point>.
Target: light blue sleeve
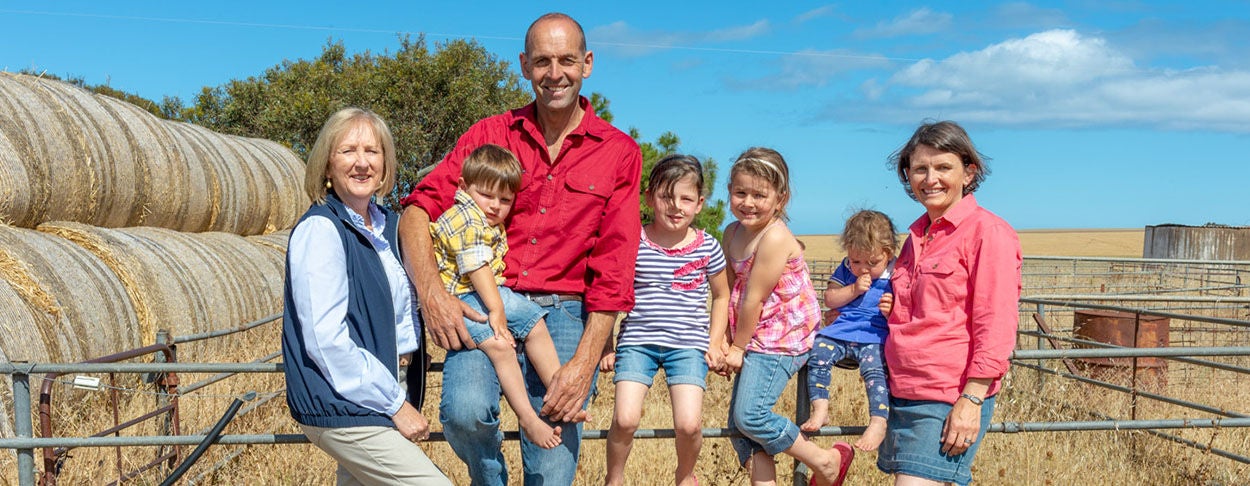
<point>319,289</point>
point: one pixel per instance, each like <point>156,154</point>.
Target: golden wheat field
<point>1037,458</point>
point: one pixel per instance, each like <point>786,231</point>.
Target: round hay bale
<point>163,180</point>
<point>30,127</point>
<point>85,303</point>
<point>18,342</point>
<point>110,193</point>
<point>16,192</point>
<point>288,201</point>
<point>186,283</point>
<point>277,240</point>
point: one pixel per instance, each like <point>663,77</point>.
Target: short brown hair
<point>491,166</point>
<point>945,136</point>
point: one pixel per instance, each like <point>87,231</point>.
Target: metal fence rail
<point>1207,299</point>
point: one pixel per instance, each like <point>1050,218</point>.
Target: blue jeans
<point>827,351</point>
<point>522,315</point>
<point>469,410</point>
<point>756,390</point>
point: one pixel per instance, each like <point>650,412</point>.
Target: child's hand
<point>607,362</point>
<point>886,304</point>
<point>733,359</point>
<point>863,283</point>
<point>715,358</point>
<point>499,324</point>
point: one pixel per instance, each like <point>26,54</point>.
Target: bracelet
<point>975,401</point>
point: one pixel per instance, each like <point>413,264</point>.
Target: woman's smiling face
<point>937,179</point>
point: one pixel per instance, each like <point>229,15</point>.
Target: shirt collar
<point>955,215</point>
<point>591,125</point>
<point>377,235</point>
<point>464,199</point>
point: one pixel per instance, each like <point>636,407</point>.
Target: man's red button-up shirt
<point>575,226</point>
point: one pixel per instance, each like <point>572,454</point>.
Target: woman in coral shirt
<point>952,315</point>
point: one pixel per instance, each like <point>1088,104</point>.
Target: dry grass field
<point>1039,458</point>
<point>1125,243</point>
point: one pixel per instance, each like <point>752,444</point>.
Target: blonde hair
<point>491,167</point>
<point>769,165</point>
<point>870,231</point>
<point>333,131</point>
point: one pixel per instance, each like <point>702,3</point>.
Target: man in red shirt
<point>573,238</point>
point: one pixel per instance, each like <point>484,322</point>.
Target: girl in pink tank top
<point>773,316</point>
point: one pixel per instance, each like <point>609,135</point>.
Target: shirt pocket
<point>937,285</point>
<point>585,201</point>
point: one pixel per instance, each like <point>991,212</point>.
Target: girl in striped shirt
<point>670,325</point>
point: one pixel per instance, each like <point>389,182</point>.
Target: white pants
<point>375,456</point>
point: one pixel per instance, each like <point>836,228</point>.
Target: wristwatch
<point>975,400</point>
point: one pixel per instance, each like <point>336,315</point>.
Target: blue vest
<point>370,323</point>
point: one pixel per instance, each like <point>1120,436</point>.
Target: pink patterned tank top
<point>790,315</point>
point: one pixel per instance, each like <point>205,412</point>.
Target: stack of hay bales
<point>115,224</point>
<point>69,155</point>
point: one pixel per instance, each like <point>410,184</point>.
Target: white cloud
<point>1059,78</point>
<point>812,68</point>
<point>633,42</point>
<point>734,33</point>
<point>917,22</point>
<point>814,14</point>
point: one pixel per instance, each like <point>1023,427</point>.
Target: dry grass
<point>1124,243</point>
<point>1033,458</point>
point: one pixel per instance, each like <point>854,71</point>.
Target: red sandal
<point>846,454</point>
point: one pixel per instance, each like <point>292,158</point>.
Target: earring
<point>329,185</point>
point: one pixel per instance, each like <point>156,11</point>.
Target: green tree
<point>713,214</point>
<point>427,98</point>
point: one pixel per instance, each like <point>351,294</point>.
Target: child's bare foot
<point>873,435</point>
<point>819,418</point>
<point>540,433</point>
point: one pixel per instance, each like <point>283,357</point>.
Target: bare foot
<point>540,433</point>
<point>873,435</point>
<point>819,418</point>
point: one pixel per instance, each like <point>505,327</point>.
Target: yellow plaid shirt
<point>464,241</point>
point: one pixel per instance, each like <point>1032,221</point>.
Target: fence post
<point>23,426</point>
<point>802,411</point>
<point>162,399</point>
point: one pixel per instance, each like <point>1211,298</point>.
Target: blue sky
<point>1113,114</point>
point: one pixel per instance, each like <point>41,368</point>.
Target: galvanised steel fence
<point>1206,305</point>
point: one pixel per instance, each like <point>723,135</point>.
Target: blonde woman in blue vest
<point>349,324</point>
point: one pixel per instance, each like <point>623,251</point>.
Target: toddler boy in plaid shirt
<point>469,246</point>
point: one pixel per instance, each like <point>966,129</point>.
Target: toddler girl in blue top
<point>856,336</point>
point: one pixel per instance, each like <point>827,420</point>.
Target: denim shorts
<point>522,315</point>
<point>913,441</point>
<point>682,366</point>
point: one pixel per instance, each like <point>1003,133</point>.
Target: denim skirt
<point>913,441</point>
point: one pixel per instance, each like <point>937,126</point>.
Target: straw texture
<point>67,154</point>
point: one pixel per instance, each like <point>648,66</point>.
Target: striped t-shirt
<point>671,294</point>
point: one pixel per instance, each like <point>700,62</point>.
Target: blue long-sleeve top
<point>319,289</point>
